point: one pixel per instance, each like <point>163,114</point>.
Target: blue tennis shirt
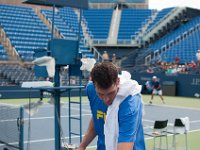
<point>130,119</point>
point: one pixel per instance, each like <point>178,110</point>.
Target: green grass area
<point>175,101</point>
<point>193,142</point>
<point>170,100</point>
<point>45,100</point>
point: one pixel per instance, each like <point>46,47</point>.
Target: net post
<point>21,134</point>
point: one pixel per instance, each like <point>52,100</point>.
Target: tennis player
<point>116,107</point>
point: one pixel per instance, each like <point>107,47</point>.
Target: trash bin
<point>169,88</point>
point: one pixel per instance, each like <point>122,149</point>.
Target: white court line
<point>41,118</point>
<point>8,120</point>
<point>170,106</point>
<point>172,134</point>
<point>44,105</point>
<point>86,110</point>
<point>152,121</point>
<point>52,117</point>
<point>194,121</point>
<point>169,124</point>
<point>48,140</point>
<point>74,108</point>
<point>42,140</point>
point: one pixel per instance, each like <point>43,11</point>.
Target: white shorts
<point>158,92</point>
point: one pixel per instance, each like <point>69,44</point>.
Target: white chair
<point>181,126</point>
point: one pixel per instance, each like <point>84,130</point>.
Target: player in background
<point>156,89</point>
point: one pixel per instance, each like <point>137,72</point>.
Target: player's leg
<point>161,97</point>
<point>152,95</point>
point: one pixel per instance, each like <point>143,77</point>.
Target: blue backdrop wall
<point>185,85</point>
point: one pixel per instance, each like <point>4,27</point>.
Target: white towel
<point>111,128</point>
<point>182,130</point>
<point>47,61</point>
<point>186,122</point>
<point>87,64</point>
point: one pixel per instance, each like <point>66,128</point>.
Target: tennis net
<point>11,126</point>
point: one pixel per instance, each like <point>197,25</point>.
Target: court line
<point>74,108</point>
<point>170,106</point>
<point>42,140</point>
<point>152,121</point>
<point>86,110</point>
<point>41,118</point>
<point>52,117</point>
<point>195,121</point>
<point>172,134</point>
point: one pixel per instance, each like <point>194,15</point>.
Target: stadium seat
<point>24,29</point>
<point>129,28</point>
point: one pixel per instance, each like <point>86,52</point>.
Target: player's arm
<point>88,137</point>
<point>125,146</point>
<point>129,121</point>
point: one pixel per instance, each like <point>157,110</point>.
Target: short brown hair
<point>104,74</point>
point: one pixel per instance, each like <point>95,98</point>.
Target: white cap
<point>154,77</point>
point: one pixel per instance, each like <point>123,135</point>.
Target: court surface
<point>41,125</point>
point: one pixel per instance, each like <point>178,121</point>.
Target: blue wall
<point>14,92</point>
<point>186,85</point>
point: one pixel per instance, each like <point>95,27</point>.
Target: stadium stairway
<point>24,30</point>
<point>47,22</point>
<point>114,26</point>
<point>10,53</point>
<point>3,54</point>
<point>66,23</point>
<point>137,40</point>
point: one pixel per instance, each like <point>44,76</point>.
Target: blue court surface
<point>39,132</point>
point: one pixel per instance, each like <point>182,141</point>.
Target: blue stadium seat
<point>132,21</point>
<point>98,25</point>
<point>24,28</point>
